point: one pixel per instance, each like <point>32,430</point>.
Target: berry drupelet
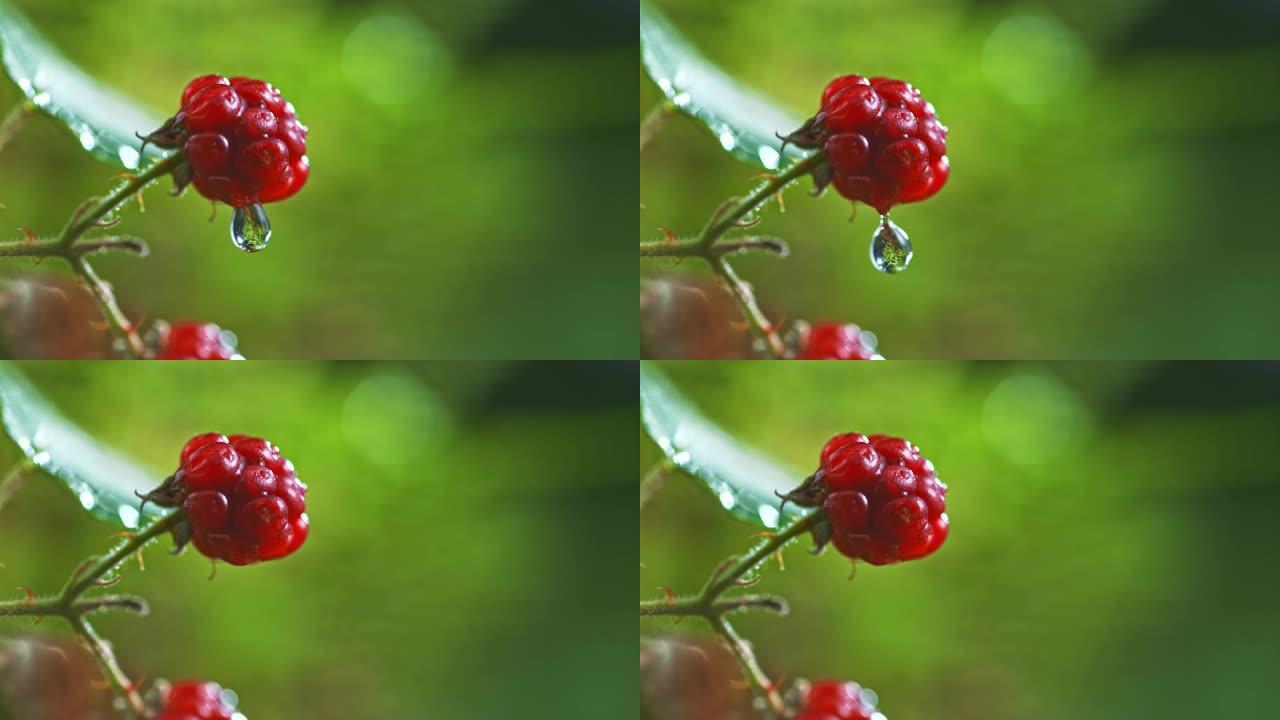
<point>195,700</point>
<point>243,500</point>
<point>835,700</point>
<point>196,341</point>
<point>883,142</point>
<point>836,341</point>
<point>882,499</point>
<point>242,140</point>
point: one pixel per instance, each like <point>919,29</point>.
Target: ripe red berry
<point>195,700</point>
<point>834,341</point>
<point>882,139</point>
<point>196,341</point>
<point>243,142</point>
<point>242,498</point>
<point>882,498</point>
<point>835,700</point>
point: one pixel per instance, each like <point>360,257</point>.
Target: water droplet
<point>128,156</point>
<point>769,516</point>
<point>890,247</point>
<point>727,499</point>
<point>769,157</point>
<point>250,228</point>
<point>128,516</point>
<point>87,500</point>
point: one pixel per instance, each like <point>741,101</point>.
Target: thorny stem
<point>110,309</point>
<point>652,482</point>
<point>654,121</point>
<point>14,481</point>
<point>70,605</point>
<point>750,308</point>
<point>86,217</point>
<point>709,605</point>
<point>81,222</point>
<point>120,683</point>
<point>14,121</point>
<point>760,683</point>
<point>727,217</point>
<point>722,222</point>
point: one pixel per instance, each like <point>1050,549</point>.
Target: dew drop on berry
<point>890,247</point>
<point>250,228</point>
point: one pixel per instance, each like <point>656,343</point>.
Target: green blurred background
<point>464,164</point>
<point>455,509</point>
<point>1112,173</point>
<point>1112,541</point>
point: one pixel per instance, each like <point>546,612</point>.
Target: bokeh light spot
<point>391,57</point>
<point>1031,417</point>
<point>1031,57</point>
<point>392,418</point>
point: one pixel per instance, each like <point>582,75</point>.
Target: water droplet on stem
<point>250,228</point>
<point>890,247</point>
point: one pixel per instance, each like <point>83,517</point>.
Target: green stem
<point>724,220</point>
<point>14,481</point>
<point>82,221</point>
<point>707,604</point>
<point>82,581</point>
<point>70,606</point>
<point>654,121</point>
<point>86,217</point>
<point>134,707</point>
<point>14,121</point>
<point>746,563</point>
<point>654,480</point>
<point>721,221</point>
<point>760,684</point>
<point>120,324</point>
<point>760,324</point>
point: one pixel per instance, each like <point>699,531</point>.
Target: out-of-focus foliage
<point>1111,173</point>
<point>1111,536</point>
<point>465,160</point>
<point>455,511</point>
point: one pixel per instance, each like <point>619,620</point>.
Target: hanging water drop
<point>890,247</point>
<point>250,228</point>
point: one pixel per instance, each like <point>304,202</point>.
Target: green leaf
<point>103,480</point>
<point>103,120</point>
<point>742,120</point>
<point>742,479</point>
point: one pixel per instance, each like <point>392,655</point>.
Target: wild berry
<point>835,700</point>
<point>243,500</point>
<point>196,341</point>
<point>835,341</point>
<point>195,700</point>
<point>882,499</point>
<point>882,140</point>
<point>243,142</point>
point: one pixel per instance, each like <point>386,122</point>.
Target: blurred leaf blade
<point>743,479</point>
<point>743,121</point>
<point>102,120</point>
<point>102,479</point>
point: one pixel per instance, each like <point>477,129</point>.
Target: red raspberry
<point>833,341</point>
<point>242,498</point>
<point>882,497</point>
<point>835,700</point>
<point>195,700</point>
<point>242,140</point>
<point>196,341</point>
<point>883,141</point>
